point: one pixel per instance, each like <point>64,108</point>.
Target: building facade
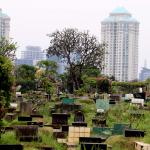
<point>4,25</point>
<point>120,32</point>
<point>144,74</point>
<point>31,55</point>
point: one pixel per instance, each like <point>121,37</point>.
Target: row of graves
<point>71,135</point>
<point>105,102</point>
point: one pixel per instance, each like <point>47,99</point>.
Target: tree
<point>48,75</point>
<point>25,76</point>
<point>6,79</point>
<point>77,50</point>
<point>7,48</point>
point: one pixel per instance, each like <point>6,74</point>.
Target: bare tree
<point>78,50</point>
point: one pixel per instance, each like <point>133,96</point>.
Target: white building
<point>120,32</point>
<point>4,25</point>
<point>31,55</point>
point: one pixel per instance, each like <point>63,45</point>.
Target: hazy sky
<point>31,20</point>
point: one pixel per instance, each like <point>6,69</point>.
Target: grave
<point>11,147</point>
<point>59,119</point>
<point>99,120</point>
<point>76,132</point>
<point>102,104</point>
<point>79,124</point>
<point>134,133</point>
<point>119,129</point>
<point>137,101</point>
<point>27,133</point>
<point>37,119</point>
<point>92,139</point>
<point>24,118</point>
<point>79,116</point>
<point>26,108</point>
<point>103,131</point>
<point>142,146</point>
<point>93,146</point>
<point>140,95</point>
<point>116,97</point>
<point>10,116</point>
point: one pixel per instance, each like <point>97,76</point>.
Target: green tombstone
<point>68,100</point>
<point>102,104</point>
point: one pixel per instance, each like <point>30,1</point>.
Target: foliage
<point>47,79</point>
<point>7,48</point>
<point>128,87</point>
<point>78,50</point>
<point>6,79</point>
<point>25,76</point>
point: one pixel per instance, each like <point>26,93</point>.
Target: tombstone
<point>134,133</point>
<point>140,95</point>
<point>79,117</point>
<point>10,116</point>
<point>102,104</point>
<point>11,147</point>
<point>137,101</point>
<point>99,120</point>
<point>93,146</point>
<point>20,98</point>
<point>59,119</point>
<point>27,133</point>
<point>24,118</point>
<point>26,108</point>
<point>104,131</point>
<point>92,139</point>
<point>119,129</point>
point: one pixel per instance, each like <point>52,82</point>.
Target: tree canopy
<point>78,50</point>
<point>7,48</point>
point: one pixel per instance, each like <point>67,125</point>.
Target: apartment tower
<point>120,31</point>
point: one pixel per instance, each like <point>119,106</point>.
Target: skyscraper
<point>120,32</point>
<point>4,25</point>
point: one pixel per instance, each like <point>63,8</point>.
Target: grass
<point>117,114</point>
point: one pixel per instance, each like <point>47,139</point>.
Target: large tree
<point>7,48</point>
<point>78,50</point>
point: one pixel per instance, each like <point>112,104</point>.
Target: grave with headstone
<point>59,119</point>
<point>99,120</point>
<point>27,133</point>
<point>134,133</point>
<point>102,104</point>
<point>25,108</point>
<point>79,119</point>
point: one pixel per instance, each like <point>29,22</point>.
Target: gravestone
<point>104,131</point>
<point>26,108</point>
<point>24,118</point>
<point>27,133</point>
<point>10,116</point>
<point>102,104</point>
<point>100,119</point>
<point>79,116</point>
<point>140,95</point>
<point>59,119</point>
<point>92,139</point>
<point>134,133</point>
<point>11,147</point>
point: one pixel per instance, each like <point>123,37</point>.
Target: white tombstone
<point>137,101</point>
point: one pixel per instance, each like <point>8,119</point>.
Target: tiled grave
<point>76,132</point>
<point>142,146</point>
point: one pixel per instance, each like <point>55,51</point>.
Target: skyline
<point>32,20</point>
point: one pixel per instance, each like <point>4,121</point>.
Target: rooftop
<point>120,10</point>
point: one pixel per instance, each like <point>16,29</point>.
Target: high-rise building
<point>120,32</point>
<point>144,74</point>
<point>4,25</point>
<point>31,55</point>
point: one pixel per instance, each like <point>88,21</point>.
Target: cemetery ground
<point>120,113</point>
